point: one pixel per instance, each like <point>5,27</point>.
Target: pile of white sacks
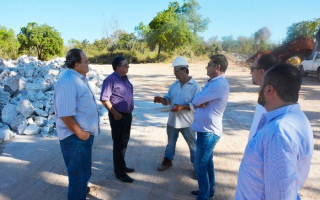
<point>26,95</point>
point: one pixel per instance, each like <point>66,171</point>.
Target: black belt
<point>124,113</point>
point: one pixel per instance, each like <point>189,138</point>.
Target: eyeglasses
<point>126,66</point>
<point>176,70</point>
<point>212,64</point>
<point>253,68</point>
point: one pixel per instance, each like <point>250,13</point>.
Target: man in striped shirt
<point>276,161</point>
<point>77,122</point>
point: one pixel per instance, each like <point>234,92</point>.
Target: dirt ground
<point>31,167</point>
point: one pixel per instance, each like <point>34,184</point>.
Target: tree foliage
<point>43,38</point>
<point>306,29</point>
<point>261,37</point>
<point>8,43</point>
<point>189,11</point>
<point>174,27</point>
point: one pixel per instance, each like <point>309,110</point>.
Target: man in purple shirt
<point>117,97</point>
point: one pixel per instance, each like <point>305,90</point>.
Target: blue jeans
<point>204,163</point>
<point>173,134</point>
<point>77,157</point>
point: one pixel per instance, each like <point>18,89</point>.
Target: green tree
<point>127,41</point>
<point>306,29</point>
<point>174,27</point>
<point>167,31</point>
<point>229,44</point>
<point>43,38</point>
<point>8,43</point>
<point>189,10</point>
<point>261,37</point>
<point>246,45</point>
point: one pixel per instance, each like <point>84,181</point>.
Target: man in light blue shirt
<point>181,113</point>
<point>277,159</point>
<point>77,122</point>
<point>210,104</point>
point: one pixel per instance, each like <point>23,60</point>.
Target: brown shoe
<point>166,163</point>
<point>91,189</point>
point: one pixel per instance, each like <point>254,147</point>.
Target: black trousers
<point>120,131</point>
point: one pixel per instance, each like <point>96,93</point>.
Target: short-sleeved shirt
<point>182,96</point>
<point>119,91</point>
<point>215,93</point>
<point>73,97</point>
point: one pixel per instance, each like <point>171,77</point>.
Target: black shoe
<point>124,178</point>
<point>128,170</point>
<point>195,194</point>
<point>166,163</point>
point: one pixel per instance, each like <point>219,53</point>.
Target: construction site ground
<point>32,168</point>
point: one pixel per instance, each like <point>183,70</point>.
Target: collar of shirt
<point>77,74</point>
<point>277,112</point>
<point>119,76</point>
<point>213,79</point>
<point>191,80</point>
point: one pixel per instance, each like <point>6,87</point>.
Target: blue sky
<point>80,19</point>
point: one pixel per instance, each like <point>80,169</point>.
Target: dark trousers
<point>77,157</point>
<point>120,131</point>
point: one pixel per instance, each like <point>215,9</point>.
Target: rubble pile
<point>26,95</point>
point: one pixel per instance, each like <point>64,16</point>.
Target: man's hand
<point>177,108</point>
<point>117,116</point>
<point>83,135</point>
<point>114,112</point>
<point>158,99</point>
<point>202,105</point>
<point>74,127</point>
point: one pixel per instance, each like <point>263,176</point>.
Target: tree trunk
<point>159,49</point>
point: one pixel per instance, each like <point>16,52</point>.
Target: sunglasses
<point>253,68</point>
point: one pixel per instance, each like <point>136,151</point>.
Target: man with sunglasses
<point>276,161</point>
<point>180,119</point>
<point>210,104</point>
<point>117,97</point>
<point>258,69</point>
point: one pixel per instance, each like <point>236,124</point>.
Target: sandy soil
<point>31,167</point>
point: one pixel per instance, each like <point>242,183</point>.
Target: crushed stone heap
<point>26,95</point>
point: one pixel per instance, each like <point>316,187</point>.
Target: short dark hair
<point>286,80</point>
<point>266,61</point>
<point>116,62</point>
<point>73,56</point>
<point>182,68</point>
<point>221,60</point>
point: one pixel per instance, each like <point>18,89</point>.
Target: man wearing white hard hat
<point>179,97</point>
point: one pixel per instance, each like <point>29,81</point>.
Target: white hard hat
<point>180,61</point>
